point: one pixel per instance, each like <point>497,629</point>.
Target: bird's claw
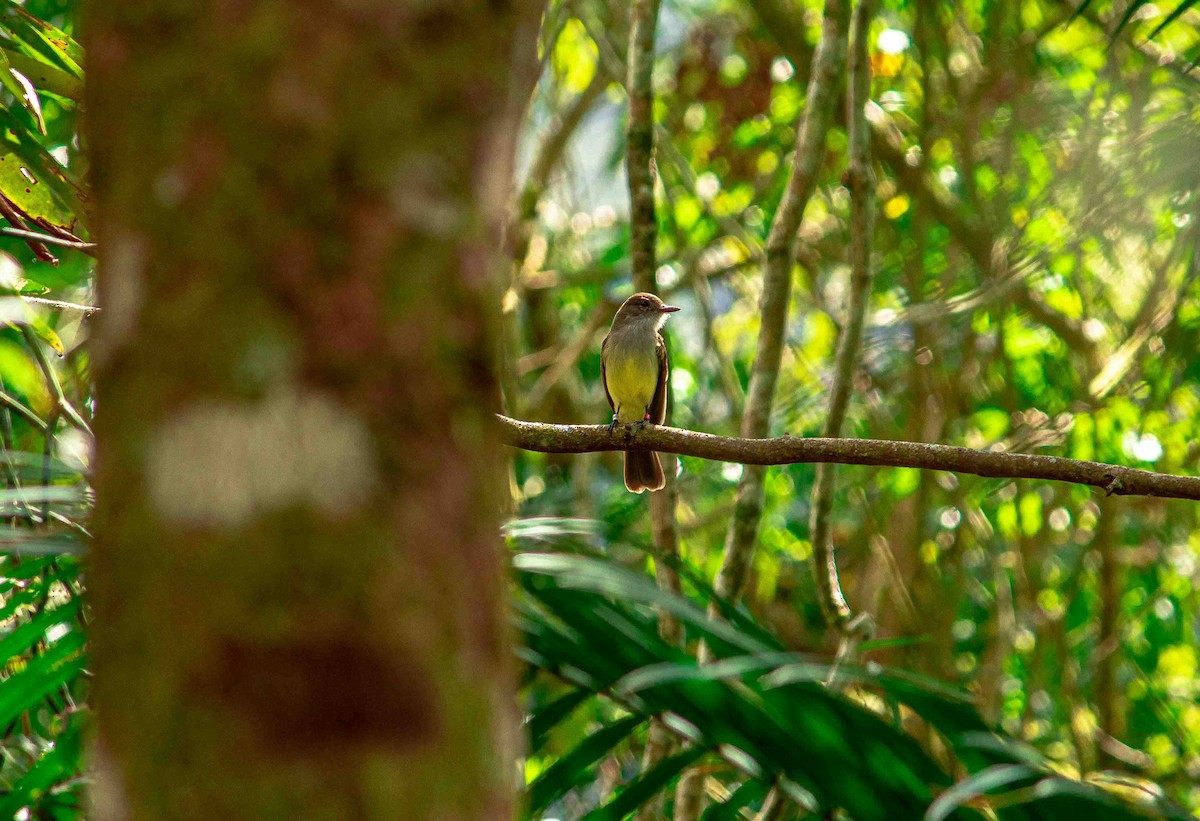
<point>630,427</point>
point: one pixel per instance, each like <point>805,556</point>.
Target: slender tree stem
<point>862,222</point>
<point>639,150</point>
<point>643,229</point>
<point>53,384</point>
<point>823,89</point>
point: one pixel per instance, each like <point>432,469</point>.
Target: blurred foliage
<point>1037,258</point>
<point>45,408</point>
<point>824,734</point>
<point>1036,289</point>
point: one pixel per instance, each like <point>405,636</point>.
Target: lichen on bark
<point>310,188</point>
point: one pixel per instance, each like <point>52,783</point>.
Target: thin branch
<point>547,156</point>
<point>780,254</point>
<point>823,91</point>
<point>49,239</point>
<point>977,239</point>
<point>53,384</point>
<point>60,305</point>
<point>569,355</point>
<point>665,147</point>
<point>1148,49</point>
<point>8,442</point>
<point>639,151</point>
<point>10,401</point>
<point>16,218</point>
<point>862,220</point>
<point>789,450</point>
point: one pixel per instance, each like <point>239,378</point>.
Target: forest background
<point>973,224</point>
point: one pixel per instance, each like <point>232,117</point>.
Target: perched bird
<point>633,366</point>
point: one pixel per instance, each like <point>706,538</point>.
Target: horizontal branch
<point>49,239</point>
<point>786,450</point>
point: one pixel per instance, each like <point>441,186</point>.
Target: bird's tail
<point>643,471</point>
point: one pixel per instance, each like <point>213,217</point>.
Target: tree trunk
<point>297,578</point>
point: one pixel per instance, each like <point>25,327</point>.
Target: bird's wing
<point>604,375</point>
<point>658,405</point>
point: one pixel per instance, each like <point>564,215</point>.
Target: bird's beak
<point>669,309</point>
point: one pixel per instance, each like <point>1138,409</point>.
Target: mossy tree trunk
<point>297,577</point>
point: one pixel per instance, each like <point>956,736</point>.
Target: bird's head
<point>644,308</point>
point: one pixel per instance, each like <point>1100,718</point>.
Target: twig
<point>60,305</point>
<point>788,450</point>
<point>978,240</point>
<point>49,239</point>
<point>53,383</point>
<point>862,223</point>
<point>1148,50</point>
<point>10,401</point>
<point>546,158</point>
<point>569,355</point>
<point>10,212</point>
<point>728,224</point>
<point>47,463</point>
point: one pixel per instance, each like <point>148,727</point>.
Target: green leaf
<point>44,76</point>
<point>1130,10</point>
<point>46,40</point>
<point>580,573</point>
<point>1179,11</point>
<point>730,809</point>
<point>20,87</point>
<point>44,674</point>
<point>981,783</point>
<point>23,186</point>
<point>539,725</point>
<point>58,763</point>
<point>25,636</point>
<point>571,769</point>
<point>644,788</point>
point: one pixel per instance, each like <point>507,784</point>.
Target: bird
<point>633,368</point>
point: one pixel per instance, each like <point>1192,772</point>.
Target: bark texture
<point>297,579</point>
<point>1115,480</point>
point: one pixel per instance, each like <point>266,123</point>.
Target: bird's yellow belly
<point>631,382</point>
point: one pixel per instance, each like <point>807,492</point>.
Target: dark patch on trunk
<point>308,695</point>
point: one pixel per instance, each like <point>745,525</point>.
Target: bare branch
<point>88,248</point>
<point>787,450</point>
<point>862,221</point>
<point>823,89</point>
<point>16,219</point>
<point>570,354</point>
<point>639,152</point>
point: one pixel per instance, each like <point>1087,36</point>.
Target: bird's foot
<point>613,424</point>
